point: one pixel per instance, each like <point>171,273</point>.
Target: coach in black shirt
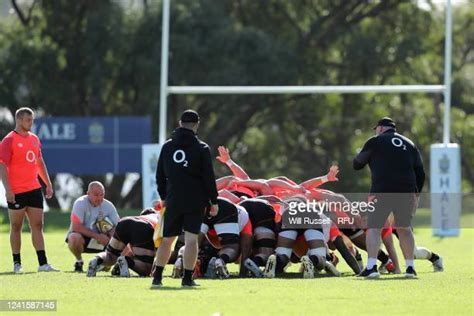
<point>187,186</point>
<point>397,179</point>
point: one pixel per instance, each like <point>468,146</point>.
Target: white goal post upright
<point>451,151</point>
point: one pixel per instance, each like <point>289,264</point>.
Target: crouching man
<point>92,221</point>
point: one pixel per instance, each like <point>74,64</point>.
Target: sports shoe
<point>78,266</point>
<point>410,273</point>
<point>331,269</point>
<point>370,273</point>
<point>115,270</point>
<point>123,266</point>
<point>388,267</point>
<point>438,265</point>
<point>178,269</point>
<point>253,268</point>
<point>92,268</point>
<point>270,267</point>
<point>156,283</point>
<point>17,268</point>
<point>211,269</point>
<point>308,267</point>
<point>47,268</point>
<point>221,269</point>
<point>191,283</point>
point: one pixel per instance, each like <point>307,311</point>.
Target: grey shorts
<point>402,205</point>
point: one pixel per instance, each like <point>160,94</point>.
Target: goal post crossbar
<point>305,89</point>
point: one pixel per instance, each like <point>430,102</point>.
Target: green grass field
<point>446,293</point>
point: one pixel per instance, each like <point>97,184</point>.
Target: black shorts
<point>261,214</point>
<point>32,198</point>
<point>86,242</point>
<point>402,206</point>
<point>175,222</point>
<point>135,232</point>
<point>228,213</point>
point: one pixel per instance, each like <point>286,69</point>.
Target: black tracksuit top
<point>184,174</point>
<point>395,163</point>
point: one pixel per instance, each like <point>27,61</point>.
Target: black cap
<point>189,116</point>
<point>385,121</point>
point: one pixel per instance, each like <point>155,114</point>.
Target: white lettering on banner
<point>443,182</point>
<point>30,156</point>
<point>445,187</point>
<point>181,158</point>
<point>56,131</point>
<point>397,142</point>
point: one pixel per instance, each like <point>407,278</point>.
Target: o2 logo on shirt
<point>30,156</point>
<point>397,142</point>
<point>179,156</point>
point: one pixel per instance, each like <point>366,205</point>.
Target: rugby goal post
<point>445,157</point>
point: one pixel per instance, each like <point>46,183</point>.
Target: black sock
<point>225,258</point>
<point>130,262</point>
<point>329,257</point>
<point>318,264</point>
<point>281,263</point>
<point>17,258</point>
<point>258,261</point>
<point>41,257</point>
<point>188,275</point>
<point>382,256</point>
<point>433,257</point>
<point>158,274</point>
<point>99,260</point>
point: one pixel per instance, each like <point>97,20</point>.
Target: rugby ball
<point>104,225</point>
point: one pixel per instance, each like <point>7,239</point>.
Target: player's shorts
<point>33,198</point>
<point>175,222</point>
<point>401,205</point>
<point>386,232</point>
<point>136,233</point>
<point>87,240</point>
<point>334,232</point>
<point>261,214</point>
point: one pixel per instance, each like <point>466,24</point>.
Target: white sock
<point>422,253</point>
<point>371,263</point>
<point>80,260</point>
<point>409,263</point>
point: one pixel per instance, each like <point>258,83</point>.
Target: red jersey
<point>19,153</point>
<point>242,189</point>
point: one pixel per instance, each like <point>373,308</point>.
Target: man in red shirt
<point>20,164</point>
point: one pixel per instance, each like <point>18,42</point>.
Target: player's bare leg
<point>407,244</point>
<point>36,219</point>
<point>162,256</point>
<point>190,255</point>
<point>16,224</point>
<point>75,243</point>
<point>373,241</point>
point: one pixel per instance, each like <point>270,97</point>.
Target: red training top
<point>19,153</point>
